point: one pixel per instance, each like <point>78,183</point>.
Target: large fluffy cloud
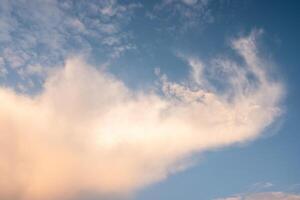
<point>87,132</point>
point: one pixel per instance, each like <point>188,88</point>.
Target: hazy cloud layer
<point>86,132</point>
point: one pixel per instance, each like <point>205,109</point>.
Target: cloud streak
<point>87,132</point>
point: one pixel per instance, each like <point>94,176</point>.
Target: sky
<point>149,100</point>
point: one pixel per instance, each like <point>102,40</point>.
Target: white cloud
<point>87,132</point>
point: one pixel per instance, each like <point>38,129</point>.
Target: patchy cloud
<point>86,132</point>
<point>45,32</point>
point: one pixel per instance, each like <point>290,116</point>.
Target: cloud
<point>264,196</point>
<point>86,132</point>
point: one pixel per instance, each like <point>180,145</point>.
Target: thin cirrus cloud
<point>264,196</point>
<point>87,132</point>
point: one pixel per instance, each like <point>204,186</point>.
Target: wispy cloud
<point>265,191</point>
<point>87,132</point>
<point>187,13</point>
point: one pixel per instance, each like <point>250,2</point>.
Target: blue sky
<point>149,100</point>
